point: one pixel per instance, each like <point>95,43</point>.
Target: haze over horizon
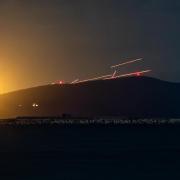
<point>42,41</point>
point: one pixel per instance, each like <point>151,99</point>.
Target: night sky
<point>45,40</point>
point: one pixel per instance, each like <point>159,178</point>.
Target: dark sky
<point>45,40</point>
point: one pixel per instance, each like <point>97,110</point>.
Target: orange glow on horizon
<point>9,80</point>
<point>5,85</point>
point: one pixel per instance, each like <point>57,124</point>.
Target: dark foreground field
<point>90,152</point>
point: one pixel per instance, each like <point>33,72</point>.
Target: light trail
<point>114,74</point>
<point>128,62</point>
<point>138,73</point>
<point>75,81</point>
<point>93,79</point>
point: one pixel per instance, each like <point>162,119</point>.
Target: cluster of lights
<point>35,105</point>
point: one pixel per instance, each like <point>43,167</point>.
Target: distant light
<point>35,105</point>
<point>20,105</point>
<point>60,82</point>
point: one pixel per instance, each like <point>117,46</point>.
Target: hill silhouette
<point>142,97</point>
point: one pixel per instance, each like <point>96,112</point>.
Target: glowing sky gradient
<point>45,40</point>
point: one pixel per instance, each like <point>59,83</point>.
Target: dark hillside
<point>130,97</point>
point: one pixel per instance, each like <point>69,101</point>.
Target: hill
<point>126,97</point>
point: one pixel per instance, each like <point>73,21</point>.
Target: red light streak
<point>131,74</point>
<point>138,74</point>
